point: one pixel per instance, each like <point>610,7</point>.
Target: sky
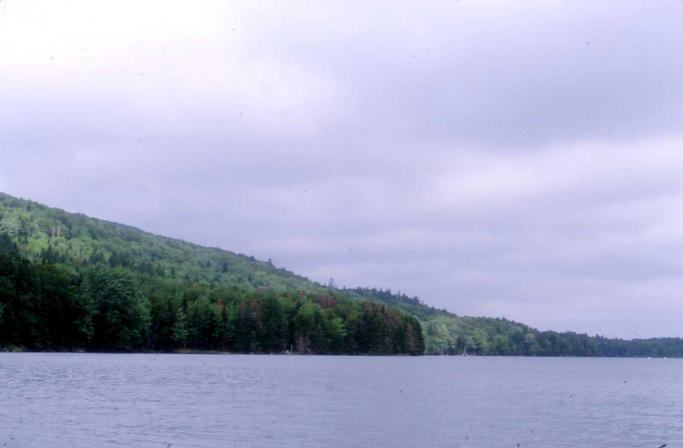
<point>519,159</point>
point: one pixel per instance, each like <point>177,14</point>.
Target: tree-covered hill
<point>49,235</point>
<point>70,282</point>
<point>449,334</point>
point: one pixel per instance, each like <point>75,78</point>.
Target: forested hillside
<point>70,282</point>
<point>50,235</point>
<point>448,334</point>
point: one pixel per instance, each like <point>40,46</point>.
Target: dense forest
<point>70,282</point>
<point>55,306</point>
<point>450,334</point>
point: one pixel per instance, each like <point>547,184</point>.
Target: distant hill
<point>68,281</point>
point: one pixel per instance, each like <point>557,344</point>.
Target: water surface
<point>92,400</point>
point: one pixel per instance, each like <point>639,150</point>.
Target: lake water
<point>93,400</point>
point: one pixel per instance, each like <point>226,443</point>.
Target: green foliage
<point>68,282</point>
<point>51,235</point>
<point>120,313</point>
<point>57,307</point>
<point>7,246</point>
<point>448,334</point>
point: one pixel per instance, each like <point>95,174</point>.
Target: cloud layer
<point>507,159</point>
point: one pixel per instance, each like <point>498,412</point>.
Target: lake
<point>147,400</point>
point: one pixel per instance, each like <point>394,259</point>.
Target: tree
<point>179,331</point>
<point>7,246</point>
<point>273,334</point>
<point>121,313</point>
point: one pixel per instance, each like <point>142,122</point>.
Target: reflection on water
<point>87,400</point>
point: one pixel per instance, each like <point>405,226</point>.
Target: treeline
<point>412,305</point>
<point>453,335</point>
<point>53,306</point>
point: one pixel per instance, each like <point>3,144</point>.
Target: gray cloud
<point>507,160</point>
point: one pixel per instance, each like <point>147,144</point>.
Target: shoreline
<point>219,352</point>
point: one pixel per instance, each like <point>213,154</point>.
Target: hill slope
<point>53,235</point>
<point>73,282</point>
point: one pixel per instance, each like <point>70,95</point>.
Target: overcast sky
<point>519,159</point>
